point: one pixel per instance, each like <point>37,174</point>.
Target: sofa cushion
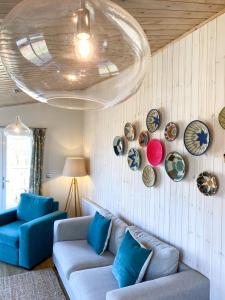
<point>99,232</point>
<point>118,231</point>
<point>93,283</point>
<point>78,255</point>
<point>165,257</point>
<point>131,261</point>
<point>9,233</point>
<point>33,206</point>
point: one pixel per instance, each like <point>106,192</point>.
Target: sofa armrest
<point>8,216</point>
<point>185,285</point>
<point>72,229</point>
<point>36,239</point>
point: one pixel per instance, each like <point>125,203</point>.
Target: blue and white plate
<point>134,159</point>
<point>118,145</point>
<point>153,120</point>
<point>196,138</point>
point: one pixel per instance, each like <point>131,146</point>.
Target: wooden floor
<point>8,270</point>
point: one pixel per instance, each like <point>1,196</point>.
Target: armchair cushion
<point>33,206</point>
<point>9,233</point>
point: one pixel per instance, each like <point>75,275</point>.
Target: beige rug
<point>35,285</point>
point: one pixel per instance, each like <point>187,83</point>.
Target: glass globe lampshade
<point>74,54</point>
<point>17,129</point>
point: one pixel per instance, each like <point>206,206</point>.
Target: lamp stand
<point>74,196</point>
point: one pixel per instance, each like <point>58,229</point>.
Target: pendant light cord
<point>82,4</point>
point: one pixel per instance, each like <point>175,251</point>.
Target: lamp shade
<point>74,167</point>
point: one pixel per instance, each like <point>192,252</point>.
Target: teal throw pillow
<point>99,233</point>
<point>131,261</point>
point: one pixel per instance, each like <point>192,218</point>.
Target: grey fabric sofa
<point>88,276</point>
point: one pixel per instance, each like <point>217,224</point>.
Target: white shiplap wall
<point>185,82</point>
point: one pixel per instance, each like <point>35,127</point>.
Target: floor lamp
<point>74,167</point>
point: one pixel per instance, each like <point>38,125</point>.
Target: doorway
<point>15,161</point>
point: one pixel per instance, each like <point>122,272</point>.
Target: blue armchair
<point>26,232</point>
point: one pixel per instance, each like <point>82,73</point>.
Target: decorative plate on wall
<point>196,138</point>
<point>175,166</point>
<point>153,120</point>
<point>129,131</point>
<point>207,184</point>
<point>155,152</point>
<point>134,159</point>
<point>222,118</point>
<point>118,145</point>
<point>149,176</point>
<point>171,132</point>
<point>143,138</point>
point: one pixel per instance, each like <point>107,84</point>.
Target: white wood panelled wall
<point>185,82</point>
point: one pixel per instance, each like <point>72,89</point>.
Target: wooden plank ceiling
<point>162,20</point>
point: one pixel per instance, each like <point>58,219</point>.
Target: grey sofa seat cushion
<point>92,283</point>
<point>118,230</point>
<point>78,255</point>
<point>165,257</point>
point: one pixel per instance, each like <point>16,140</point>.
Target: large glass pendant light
<point>74,54</point>
<point>17,129</point>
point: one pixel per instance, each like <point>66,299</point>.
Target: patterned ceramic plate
<point>175,166</point>
<point>153,120</point>
<point>118,145</point>
<point>196,138</point>
<point>149,176</point>
<point>171,132</point>
<point>207,184</point>
<point>155,152</point>
<point>222,118</point>
<point>134,159</point>
<point>129,131</point>
<point>143,138</point>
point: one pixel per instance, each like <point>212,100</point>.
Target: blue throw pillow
<point>131,261</point>
<point>99,233</point>
<point>33,206</point>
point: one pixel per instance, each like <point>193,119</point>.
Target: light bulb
<point>84,48</point>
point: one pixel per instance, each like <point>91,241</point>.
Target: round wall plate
<point>196,138</point>
<point>149,176</point>
<point>134,159</point>
<point>222,118</point>
<point>129,131</point>
<point>143,138</point>
<point>175,166</point>
<point>155,152</point>
<point>118,145</point>
<point>207,184</point>
<point>171,132</point>
<point>153,120</point>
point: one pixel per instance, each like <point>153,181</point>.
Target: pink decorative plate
<point>155,152</point>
